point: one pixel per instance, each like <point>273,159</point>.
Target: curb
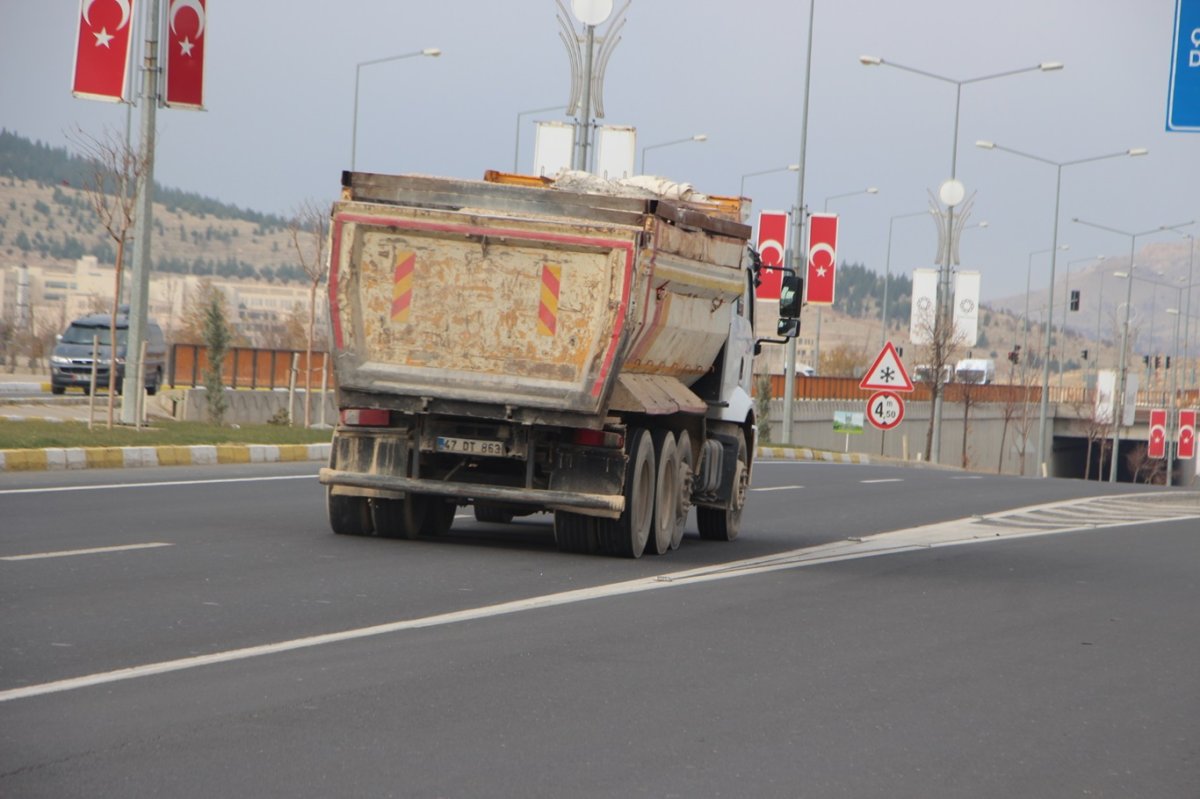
<point>51,459</point>
<point>24,388</point>
<point>806,454</point>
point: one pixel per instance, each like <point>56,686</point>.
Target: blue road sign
<point>1183,96</point>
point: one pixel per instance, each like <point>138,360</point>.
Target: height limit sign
<point>885,410</point>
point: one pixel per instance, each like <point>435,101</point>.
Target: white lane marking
<point>66,553</point>
<point>885,480</point>
<point>954,533</point>
<point>776,488</point>
<point>53,489</point>
<point>968,477</point>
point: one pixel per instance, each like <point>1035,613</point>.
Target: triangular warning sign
<point>887,373</point>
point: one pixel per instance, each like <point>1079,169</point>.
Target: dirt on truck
<point>525,345</point>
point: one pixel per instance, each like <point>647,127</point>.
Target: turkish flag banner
<point>1158,433</point>
<point>822,258</point>
<point>1187,435</point>
<point>187,22</point>
<point>102,49</point>
<point>772,244</point>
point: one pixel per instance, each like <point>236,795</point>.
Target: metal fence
<point>846,388</point>
<point>245,367</point>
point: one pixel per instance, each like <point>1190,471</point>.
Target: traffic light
<point>1084,353</point>
<point>1146,360</point>
<point>1074,300</point>
<point>1157,361</point>
<point>1168,361</point>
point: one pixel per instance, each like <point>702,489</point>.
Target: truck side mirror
<point>788,328</point>
<point>791,292</point>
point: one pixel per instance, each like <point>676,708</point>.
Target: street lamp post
<point>1044,404</point>
<point>432,52</point>
<point>887,273</point>
<point>1122,367</point>
<point>817,342</point>
<point>1173,405</point>
<point>943,295</point>
<point>1025,318</point>
<point>742,188</point>
<point>1187,319</point>
<point>789,351</point>
<point>517,145</point>
<point>1062,329</point>
<point>698,137</point>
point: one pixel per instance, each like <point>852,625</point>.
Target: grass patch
<point>36,434</point>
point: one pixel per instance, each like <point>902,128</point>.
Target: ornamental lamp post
<point>952,194</point>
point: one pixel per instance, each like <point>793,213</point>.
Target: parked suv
<point>71,363</point>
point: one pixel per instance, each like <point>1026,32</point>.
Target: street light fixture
<point>517,145</point>
<point>1119,400</point>
<point>432,52</point>
<point>887,272</point>
<point>697,137</point>
<point>943,294</point>
<point>788,168</point>
<point>1044,404</point>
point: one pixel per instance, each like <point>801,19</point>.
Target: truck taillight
<point>365,417</point>
<point>586,437</point>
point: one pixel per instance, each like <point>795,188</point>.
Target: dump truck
<point>525,345</point>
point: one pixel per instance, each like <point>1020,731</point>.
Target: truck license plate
<point>470,446</point>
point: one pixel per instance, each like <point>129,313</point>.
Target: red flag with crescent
<point>822,258</point>
<point>187,23</point>
<point>102,49</point>
<point>1158,433</point>
<point>772,244</point>
<point>1187,434</point>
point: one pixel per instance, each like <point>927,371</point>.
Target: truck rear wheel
<point>348,515</point>
<point>439,517</point>
<point>574,532</point>
<point>492,514</point>
<point>666,492</point>
<point>399,518</point>
<point>627,536</point>
<point>684,503</point>
<point>722,524</point>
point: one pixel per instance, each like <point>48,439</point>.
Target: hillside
<point>46,217</point>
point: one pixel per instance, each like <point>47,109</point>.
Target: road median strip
<point>68,458</point>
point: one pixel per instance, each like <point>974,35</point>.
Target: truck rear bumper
<point>604,505</point>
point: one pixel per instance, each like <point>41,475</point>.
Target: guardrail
<point>245,367</point>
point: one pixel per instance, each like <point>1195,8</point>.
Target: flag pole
<point>143,224</point>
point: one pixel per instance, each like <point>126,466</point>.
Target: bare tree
<point>109,185</point>
<point>1097,429</point>
<point>309,228</point>
<point>1143,468</point>
<point>942,345</point>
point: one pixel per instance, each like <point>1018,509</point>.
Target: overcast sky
<point>280,92</point>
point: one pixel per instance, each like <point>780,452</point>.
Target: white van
<point>975,370</point>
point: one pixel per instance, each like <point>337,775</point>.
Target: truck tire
<point>348,515</point>
<point>722,524</point>
<point>684,505</point>
<point>666,492</point>
<point>574,532</point>
<point>626,537</point>
<point>399,518</point>
<point>492,514</point>
<point>439,517</point>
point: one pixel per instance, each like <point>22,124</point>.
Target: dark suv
<point>71,363</point>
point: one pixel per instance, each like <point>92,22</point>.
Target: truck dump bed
<point>526,302</point>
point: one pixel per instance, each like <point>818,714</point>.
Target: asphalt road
<point>223,642</point>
